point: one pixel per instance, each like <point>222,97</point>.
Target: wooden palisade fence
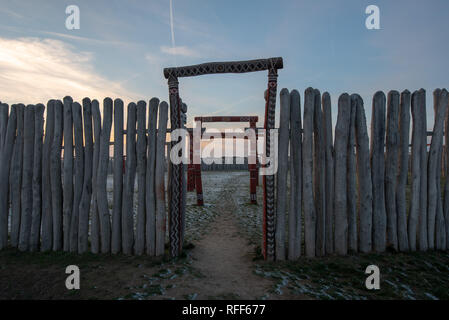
<point>351,193</point>
<point>53,202</point>
<point>348,189</point>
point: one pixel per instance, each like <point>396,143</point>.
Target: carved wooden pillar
<point>268,180</point>
<point>252,167</point>
<point>176,181</point>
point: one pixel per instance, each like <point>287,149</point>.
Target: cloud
<point>35,70</point>
<point>180,51</point>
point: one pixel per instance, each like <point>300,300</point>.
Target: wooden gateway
<point>177,180</point>
<point>194,169</point>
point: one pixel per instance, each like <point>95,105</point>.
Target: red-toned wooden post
<point>197,171</point>
<point>190,166</point>
<point>253,168</point>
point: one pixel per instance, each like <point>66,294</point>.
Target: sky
<point>122,47</point>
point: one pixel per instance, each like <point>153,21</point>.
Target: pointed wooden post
<point>128,187</point>
<point>341,149</point>
<point>27,179</point>
<point>329,174</point>
<point>159,179</point>
<point>68,171</point>
<point>55,176</point>
<point>307,171</point>
<point>294,215</point>
<point>78,174</point>
<point>378,171</point>
<point>102,176</point>
<point>86,195</point>
<point>351,181</point>
<point>16,178</point>
<point>320,176</point>
<point>116,241</point>
<point>5,159</point>
<point>150,200</point>
<point>422,231</point>
<point>416,172</point>
<point>141,153</point>
<point>281,190</point>
<point>95,218</point>
<point>401,200</point>
<point>434,174</point>
<point>391,168</point>
<point>36,216</point>
<point>364,183</point>
<point>446,182</point>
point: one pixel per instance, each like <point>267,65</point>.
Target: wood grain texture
<point>116,241</point>
<point>141,154</point>
<point>150,197</point>
<point>378,171</point>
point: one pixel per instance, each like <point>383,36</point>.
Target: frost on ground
<point>226,234</point>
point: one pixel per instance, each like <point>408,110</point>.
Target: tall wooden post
<point>27,178</point>
<point>87,181</point>
<point>36,217</point>
<point>141,153</point>
<point>401,200</point>
<point>116,243</point>
<point>253,168</point>
<point>150,178</point>
<point>268,180</point>
<point>176,180</point>
<point>5,157</point>
<point>197,168</point>
<point>79,175</point>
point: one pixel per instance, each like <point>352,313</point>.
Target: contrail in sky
<point>172,30</point>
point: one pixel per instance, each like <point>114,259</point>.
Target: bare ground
<point>221,261</point>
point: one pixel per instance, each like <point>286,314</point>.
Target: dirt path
<point>224,257</point>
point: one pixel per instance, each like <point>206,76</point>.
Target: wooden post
<point>47,216</point>
<point>5,158</point>
<point>294,215</point>
<point>55,176</point>
<point>351,167</point>
<point>329,171</point>
<point>403,156</point>
<point>319,170</point>
<point>68,171</point>
<point>391,168</point>
<point>423,238</point>
<point>79,175</point>
<point>116,241</point>
<point>102,176</point>
<point>378,171</point>
<point>4,112</point>
<point>446,182</point>
<point>150,199</point>
<point>281,190</point>
<point>141,154</point>
<point>307,171</point>
<point>27,179</point>
<point>128,188</point>
<point>86,195</point>
<point>16,178</point>
<point>159,179</point>
<point>36,216</point>
<point>95,220</point>
<point>434,174</point>
<point>365,199</point>
<point>341,149</point>
<point>416,172</point>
